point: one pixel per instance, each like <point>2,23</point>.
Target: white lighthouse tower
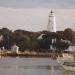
<point>51,23</point>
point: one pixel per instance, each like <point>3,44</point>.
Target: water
<point>31,66</point>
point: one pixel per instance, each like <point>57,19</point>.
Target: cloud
<point>38,3</point>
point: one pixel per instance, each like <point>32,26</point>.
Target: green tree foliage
<point>68,34</point>
<point>7,37</point>
<point>28,40</point>
<point>60,45</point>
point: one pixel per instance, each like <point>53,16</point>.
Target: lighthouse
<point>51,22</point>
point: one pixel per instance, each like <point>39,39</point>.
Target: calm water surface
<point>31,66</point>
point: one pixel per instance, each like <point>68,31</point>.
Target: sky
<point>32,15</point>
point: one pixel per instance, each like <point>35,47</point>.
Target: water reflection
<point>48,67</point>
<point>31,66</point>
<point>35,67</point>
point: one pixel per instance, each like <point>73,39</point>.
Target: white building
<point>51,23</point>
<point>40,37</point>
<point>1,37</point>
<point>71,48</point>
<point>15,49</point>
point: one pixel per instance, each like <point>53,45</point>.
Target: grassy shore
<point>30,54</point>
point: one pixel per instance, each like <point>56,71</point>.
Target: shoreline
<point>32,54</point>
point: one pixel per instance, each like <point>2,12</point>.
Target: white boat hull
<point>67,61</point>
<point>68,68</point>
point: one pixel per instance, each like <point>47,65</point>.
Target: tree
<point>7,34</point>
<point>68,34</point>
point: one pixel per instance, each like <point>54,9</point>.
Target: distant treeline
<point>41,40</point>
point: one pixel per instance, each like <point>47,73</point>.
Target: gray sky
<point>32,15</point>
<point>38,3</point>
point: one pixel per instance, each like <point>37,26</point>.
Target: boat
<point>69,66</point>
<point>65,57</point>
<point>67,61</point>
